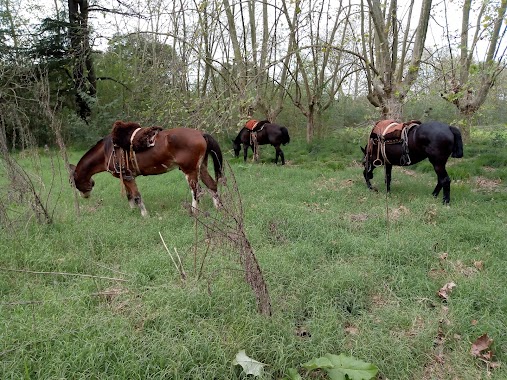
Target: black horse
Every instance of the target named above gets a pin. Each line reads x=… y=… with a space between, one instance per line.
x=267 y=133
x=433 y=140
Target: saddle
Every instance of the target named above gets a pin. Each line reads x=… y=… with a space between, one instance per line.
x=392 y=131
x=254 y=125
x=130 y=136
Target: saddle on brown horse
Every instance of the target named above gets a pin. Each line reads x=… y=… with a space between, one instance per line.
x=130 y=136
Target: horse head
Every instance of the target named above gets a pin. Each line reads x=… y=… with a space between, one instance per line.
x=236 y=145
x=85 y=186
x=366 y=162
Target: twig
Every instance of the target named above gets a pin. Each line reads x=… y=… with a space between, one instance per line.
x=182 y=271
x=111 y=269
x=63 y=274
x=182 y=275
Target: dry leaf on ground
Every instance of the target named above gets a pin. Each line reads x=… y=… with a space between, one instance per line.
x=446 y=290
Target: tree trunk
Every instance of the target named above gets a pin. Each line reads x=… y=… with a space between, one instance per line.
x=392 y=108
x=310 y=124
x=85 y=81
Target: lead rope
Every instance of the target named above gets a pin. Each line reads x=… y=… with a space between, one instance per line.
x=387 y=209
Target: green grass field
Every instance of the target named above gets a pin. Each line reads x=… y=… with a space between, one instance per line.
x=348 y=271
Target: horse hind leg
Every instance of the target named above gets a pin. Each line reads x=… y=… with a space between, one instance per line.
x=279 y=153
x=212 y=185
x=195 y=189
x=443 y=182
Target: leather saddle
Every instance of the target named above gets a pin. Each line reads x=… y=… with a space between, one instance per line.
x=131 y=136
x=391 y=130
x=254 y=125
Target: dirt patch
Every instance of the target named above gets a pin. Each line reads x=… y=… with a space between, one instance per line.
x=397 y=213
x=482 y=183
x=409 y=172
x=333 y=184
x=359 y=218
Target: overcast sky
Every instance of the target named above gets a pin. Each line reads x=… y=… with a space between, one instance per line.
x=107 y=24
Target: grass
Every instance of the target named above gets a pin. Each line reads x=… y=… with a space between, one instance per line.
x=343 y=278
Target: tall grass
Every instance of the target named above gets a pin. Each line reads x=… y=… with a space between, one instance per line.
x=348 y=270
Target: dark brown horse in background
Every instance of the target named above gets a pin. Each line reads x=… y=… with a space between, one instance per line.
x=433 y=140
x=267 y=133
x=187 y=149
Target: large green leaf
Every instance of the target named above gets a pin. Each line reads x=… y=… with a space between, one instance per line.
x=293 y=374
x=342 y=367
x=319 y=363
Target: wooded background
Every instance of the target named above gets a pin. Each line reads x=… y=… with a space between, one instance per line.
x=71 y=69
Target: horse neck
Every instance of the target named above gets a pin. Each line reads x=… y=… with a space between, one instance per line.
x=93 y=162
x=240 y=137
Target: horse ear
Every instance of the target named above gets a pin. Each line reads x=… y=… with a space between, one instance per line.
x=364 y=150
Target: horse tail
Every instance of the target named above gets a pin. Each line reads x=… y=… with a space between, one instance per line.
x=457 y=149
x=216 y=154
x=285 y=135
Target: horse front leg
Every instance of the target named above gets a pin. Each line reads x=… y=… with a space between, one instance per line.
x=245 y=151
x=134 y=196
x=389 y=170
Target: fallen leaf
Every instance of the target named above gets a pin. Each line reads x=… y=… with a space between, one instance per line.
x=250 y=366
x=482 y=343
x=446 y=290
x=479 y=265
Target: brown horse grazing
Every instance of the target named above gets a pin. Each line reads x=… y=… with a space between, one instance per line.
x=432 y=140
x=187 y=149
x=267 y=133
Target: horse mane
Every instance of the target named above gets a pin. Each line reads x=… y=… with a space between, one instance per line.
x=261 y=123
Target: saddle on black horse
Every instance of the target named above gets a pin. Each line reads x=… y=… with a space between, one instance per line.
x=390 y=132
x=131 y=136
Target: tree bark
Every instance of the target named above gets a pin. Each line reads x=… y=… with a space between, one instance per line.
x=85 y=81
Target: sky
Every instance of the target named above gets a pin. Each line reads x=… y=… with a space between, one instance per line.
x=107 y=24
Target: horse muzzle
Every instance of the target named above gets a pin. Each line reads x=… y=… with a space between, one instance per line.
x=85 y=194
x=368 y=174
